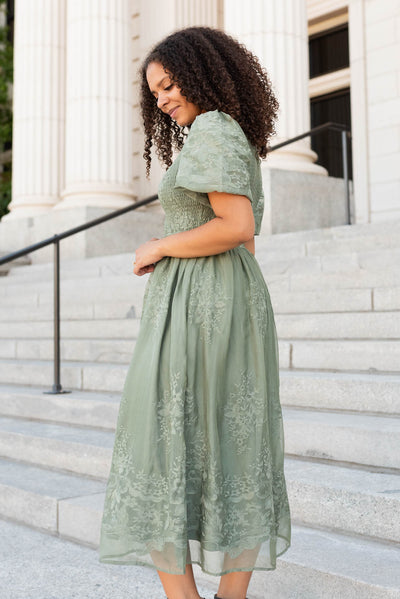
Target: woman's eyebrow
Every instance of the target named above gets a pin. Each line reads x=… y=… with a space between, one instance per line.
x=159 y=83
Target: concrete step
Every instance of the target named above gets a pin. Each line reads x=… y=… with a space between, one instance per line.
x=345 y=355
x=337 y=280
x=126 y=328
x=123 y=296
x=89 y=376
x=354 y=262
x=78 y=408
x=301 y=302
x=97 y=310
x=78 y=450
x=285 y=302
x=272 y=262
x=121 y=288
x=318 y=565
x=310 y=274
x=117 y=351
x=334 y=240
x=355 y=325
x=97 y=266
x=91 y=267
x=356 y=392
x=366 y=440
x=43 y=566
x=327 y=565
x=378 y=299
x=109 y=351
x=344 y=499
x=369 y=393
x=372 y=441
x=336 y=498
x=36 y=496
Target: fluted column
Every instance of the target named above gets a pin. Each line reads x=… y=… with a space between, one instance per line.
x=193 y=13
x=98 y=164
x=38 y=107
x=155 y=21
x=276 y=31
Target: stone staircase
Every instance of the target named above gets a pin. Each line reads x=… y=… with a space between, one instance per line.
x=336 y=295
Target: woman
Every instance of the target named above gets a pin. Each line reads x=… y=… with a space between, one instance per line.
x=197 y=469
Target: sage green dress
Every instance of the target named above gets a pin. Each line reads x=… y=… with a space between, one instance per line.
x=197 y=468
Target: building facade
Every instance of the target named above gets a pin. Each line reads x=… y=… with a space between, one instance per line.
x=77 y=143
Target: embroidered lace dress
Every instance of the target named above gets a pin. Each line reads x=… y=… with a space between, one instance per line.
x=197 y=468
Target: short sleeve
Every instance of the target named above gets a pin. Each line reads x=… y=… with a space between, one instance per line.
x=215 y=157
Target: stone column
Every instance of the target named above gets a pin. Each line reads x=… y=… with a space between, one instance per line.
x=191 y=13
x=98 y=162
x=276 y=31
x=38 y=107
x=155 y=21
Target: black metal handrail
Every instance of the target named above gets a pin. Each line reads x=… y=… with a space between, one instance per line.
x=57 y=388
x=345 y=134
x=55 y=239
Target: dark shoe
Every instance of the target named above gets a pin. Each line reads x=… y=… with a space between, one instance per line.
x=216 y=597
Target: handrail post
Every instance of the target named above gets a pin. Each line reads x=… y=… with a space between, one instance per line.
x=346 y=175
x=56 y=319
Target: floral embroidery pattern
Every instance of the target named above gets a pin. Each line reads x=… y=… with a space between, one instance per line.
x=258 y=306
x=207 y=306
x=156 y=300
x=244 y=411
x=170 y=410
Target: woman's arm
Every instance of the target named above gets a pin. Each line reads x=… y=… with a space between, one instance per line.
x=233 y=225
x=251 y=246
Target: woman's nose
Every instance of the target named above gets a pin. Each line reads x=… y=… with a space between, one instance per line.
x=161 y=100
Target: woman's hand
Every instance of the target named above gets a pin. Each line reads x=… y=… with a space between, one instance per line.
x=146 y=257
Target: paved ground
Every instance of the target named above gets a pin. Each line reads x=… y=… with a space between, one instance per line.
x=39 y=566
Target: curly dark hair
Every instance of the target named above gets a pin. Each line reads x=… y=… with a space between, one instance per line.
x=215 y=72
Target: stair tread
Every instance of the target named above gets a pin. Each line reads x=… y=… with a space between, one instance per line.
x=384 y=376
x=338 y=419
x=41 y=566
x=51 y=483
x=21 y=391
x=346 y=556
x=354 y=480
x=43 y=481
x=57 y=432
x=367 y=422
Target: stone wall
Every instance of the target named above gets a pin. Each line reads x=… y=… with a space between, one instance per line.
x=382 y=32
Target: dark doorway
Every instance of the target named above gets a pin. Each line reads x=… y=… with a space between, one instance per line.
x=328 y=144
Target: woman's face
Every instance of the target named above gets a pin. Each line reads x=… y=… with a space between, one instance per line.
x=169 y=97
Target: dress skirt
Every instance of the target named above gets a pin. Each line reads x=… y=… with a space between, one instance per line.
x=197 y=467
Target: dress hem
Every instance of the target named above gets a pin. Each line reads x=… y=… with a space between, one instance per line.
x=138 y=562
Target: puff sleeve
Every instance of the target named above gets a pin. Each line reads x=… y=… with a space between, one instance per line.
x=215 y=157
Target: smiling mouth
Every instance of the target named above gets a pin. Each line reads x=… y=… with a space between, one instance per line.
x=171 y=114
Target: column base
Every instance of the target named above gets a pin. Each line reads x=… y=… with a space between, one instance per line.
x=295 y=157
x=108 y=195
x=20 y=211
